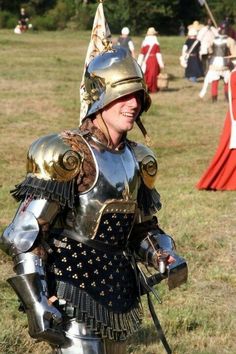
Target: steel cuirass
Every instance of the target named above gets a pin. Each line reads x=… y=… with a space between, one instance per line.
x=114 y=191
x=90 y=259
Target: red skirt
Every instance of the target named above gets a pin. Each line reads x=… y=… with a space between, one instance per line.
x=221 y=173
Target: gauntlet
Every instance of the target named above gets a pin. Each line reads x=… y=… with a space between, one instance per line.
x=31 y=288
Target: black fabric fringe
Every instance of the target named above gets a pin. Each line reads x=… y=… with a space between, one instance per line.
x=148 y=200
x=114 y=326
x=62 y=192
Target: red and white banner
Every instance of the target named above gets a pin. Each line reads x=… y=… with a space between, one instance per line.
x=100 y=32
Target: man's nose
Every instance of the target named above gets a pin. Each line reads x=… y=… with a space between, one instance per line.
x=133 y=102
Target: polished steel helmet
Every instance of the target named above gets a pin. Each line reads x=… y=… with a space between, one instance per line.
x=111 y=75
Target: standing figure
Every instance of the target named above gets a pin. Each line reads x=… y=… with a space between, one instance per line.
x=206 y=37
x=221 y=173
x=23 y=20
x=222 y=47
x=86 y=218
x=150 y=55
x=125 y=41
x=181 y=29
x=191 y=48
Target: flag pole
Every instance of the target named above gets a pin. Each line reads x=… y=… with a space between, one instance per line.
x=210 y=13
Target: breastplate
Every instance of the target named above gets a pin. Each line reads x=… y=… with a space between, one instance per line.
x=106 y=212
x=220 y=48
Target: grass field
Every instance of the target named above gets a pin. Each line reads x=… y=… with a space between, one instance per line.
x=39 y=93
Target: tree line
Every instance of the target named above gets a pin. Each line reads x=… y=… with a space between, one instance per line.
x=138 y=15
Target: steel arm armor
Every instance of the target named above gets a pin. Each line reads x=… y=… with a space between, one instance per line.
x=30 y=282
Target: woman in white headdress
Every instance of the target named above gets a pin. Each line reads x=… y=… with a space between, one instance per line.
x=150 y=59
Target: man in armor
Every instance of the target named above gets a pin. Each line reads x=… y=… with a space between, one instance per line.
x=222 y=46
x=86 y=218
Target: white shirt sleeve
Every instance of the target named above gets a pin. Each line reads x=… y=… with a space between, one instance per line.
x=131 y=46
x=160 y=60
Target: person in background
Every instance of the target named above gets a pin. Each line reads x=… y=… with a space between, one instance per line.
x=229 y=30
x=125 y=41
x=23 y=20
x=206 y=36
x=150 y=55
x=191 y=47
x=219 y=68
x=221 y=173
x=87 y=218
x=182 y=29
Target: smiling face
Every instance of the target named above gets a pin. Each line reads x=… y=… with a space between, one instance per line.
x=121 y=114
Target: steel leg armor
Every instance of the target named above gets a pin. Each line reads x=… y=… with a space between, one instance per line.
x=83 y=341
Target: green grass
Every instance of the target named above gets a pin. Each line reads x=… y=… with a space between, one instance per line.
x=39 y=93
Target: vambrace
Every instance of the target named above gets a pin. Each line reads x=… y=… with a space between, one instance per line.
x=158 y=250
x=31 y=288
x=155 y=248
x=30 y=282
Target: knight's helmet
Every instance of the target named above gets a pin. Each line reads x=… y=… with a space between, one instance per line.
x=110 y=75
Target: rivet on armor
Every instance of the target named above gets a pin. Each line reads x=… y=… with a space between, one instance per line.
x=101 y=235
x=117 y=271
x=110 y=263
x=105 y=267
x=111 y=276
x=96 y=271
x=104 y=256
x=93 y=251
x=85 y=275
x=79 y=265
x=118 y=223
x=75 y=276
x=74 y=255
x=111 y=290
x=93 y=284
x=90 y=261
x=102 y=293
x=110 y=303
x=79 y=245
x=68 y=247
x=82 y=285
x=109 y=228
x=103 y=281
x=69 y=268
x=64 y=259
x=84 y=253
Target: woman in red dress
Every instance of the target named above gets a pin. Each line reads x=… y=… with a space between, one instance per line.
x=150 y=54
x=221 y=174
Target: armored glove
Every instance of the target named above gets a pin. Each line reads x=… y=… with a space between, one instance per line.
x=32 y=292
x=158 y=250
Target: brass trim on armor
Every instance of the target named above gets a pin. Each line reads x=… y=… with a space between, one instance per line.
x=148 y=164
x=51 y=158
x=114 y=206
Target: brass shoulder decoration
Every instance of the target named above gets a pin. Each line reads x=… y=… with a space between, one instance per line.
x=147 y=163
x=51 y=158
